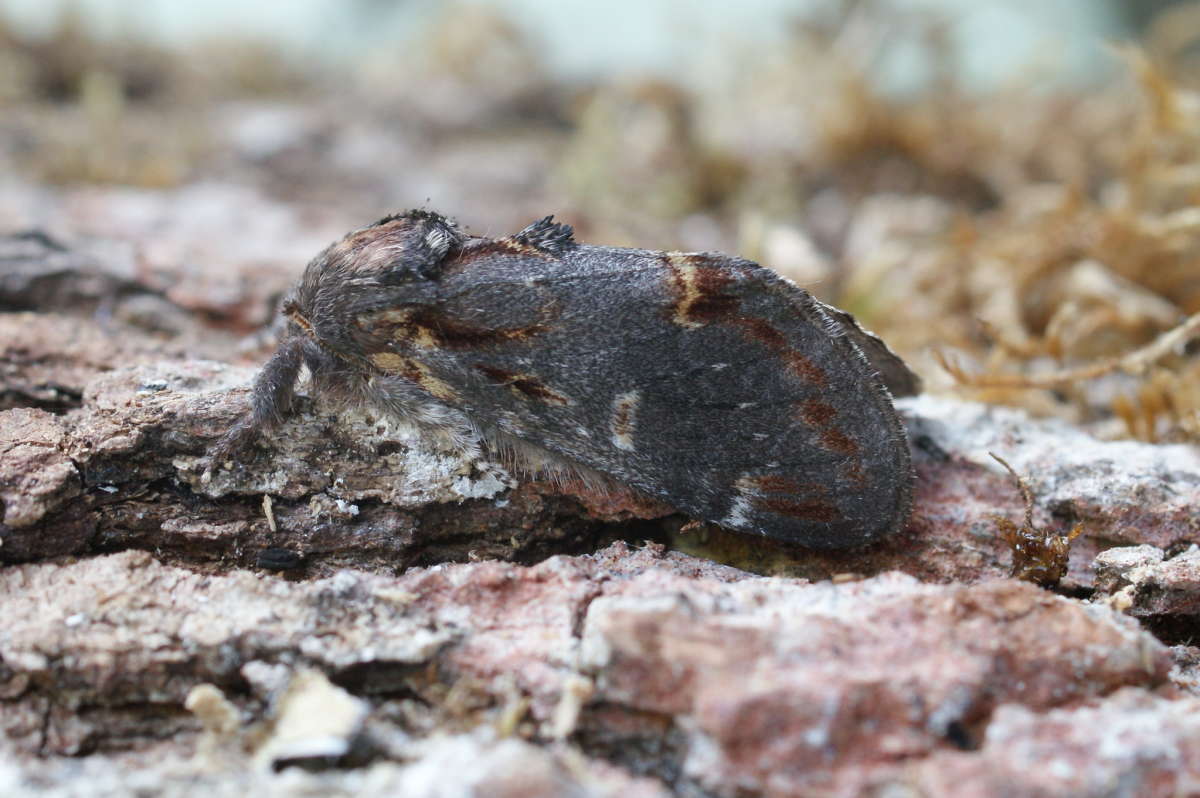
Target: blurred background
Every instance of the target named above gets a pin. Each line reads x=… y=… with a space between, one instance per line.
x=1005 y=186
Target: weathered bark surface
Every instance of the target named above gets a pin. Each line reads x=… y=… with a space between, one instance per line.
x=317 y=606
x=697 y=674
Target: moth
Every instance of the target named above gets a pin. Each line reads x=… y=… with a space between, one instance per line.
x=700 y=379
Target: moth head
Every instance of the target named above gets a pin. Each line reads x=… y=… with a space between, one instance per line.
x=396 y=261
x=401 y=248
x=409 y=245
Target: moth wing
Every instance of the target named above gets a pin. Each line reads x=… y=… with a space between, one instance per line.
x=805 y=443
x=702 y=380
x=895 y=373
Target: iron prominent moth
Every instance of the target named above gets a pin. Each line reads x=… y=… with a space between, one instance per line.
x=700 y=379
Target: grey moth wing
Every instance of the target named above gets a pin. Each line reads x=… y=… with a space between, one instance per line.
x=895 y=373
x=701 y=379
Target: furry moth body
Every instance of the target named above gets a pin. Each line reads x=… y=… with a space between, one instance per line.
x=700 y=379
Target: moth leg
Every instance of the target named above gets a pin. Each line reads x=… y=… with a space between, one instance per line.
x=270 y=400
x=331 y=378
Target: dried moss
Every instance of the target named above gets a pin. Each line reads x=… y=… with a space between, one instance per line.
x=1041 y=238
x=1038 y=555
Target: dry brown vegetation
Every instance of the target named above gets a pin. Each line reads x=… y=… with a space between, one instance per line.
x=1031 y=246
